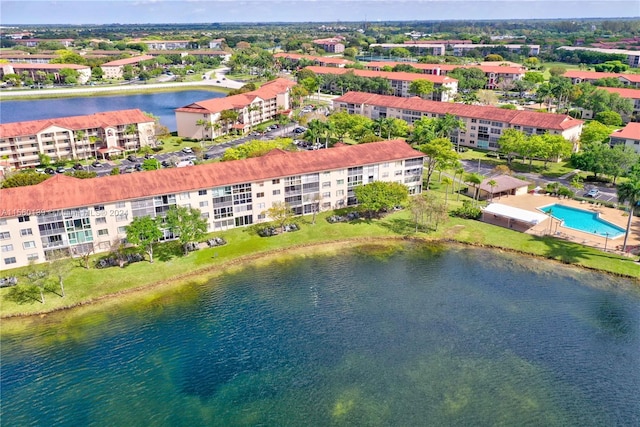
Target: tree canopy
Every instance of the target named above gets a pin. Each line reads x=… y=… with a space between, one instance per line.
x=380 y=195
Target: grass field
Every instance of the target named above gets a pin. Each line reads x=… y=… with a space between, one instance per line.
x=172 y=268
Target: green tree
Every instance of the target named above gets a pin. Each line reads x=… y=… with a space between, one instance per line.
x=619 y=160
x=475 y=179
x=556 y=71
x=380 y=195
x=421 y=87
x=21 y=179
x=143 y=232
x=492 y=57
x=471 y=79
x=629 y=191
x=610 y=118
x=228 y=117
x=440 y=154
x=533 y=77
x=556 y=148
x=510 y=142
x=115 y=171
x=594 y=131
x=187 y=224
x=81 y=174
x=150 y=164
x=280 y=213
x=592 y=158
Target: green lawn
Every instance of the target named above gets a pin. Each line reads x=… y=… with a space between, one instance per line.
x=83 y=285
x=552 y=170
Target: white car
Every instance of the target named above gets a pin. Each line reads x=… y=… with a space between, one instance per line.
x=187 y=150
x=594 y=192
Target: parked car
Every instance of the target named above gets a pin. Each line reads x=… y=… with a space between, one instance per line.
x=138 y=167
x=132 y=158
x=299 y=130
x=594 y=192
x=148 y=156
x=96 y=164
x=61 y=170
x=187 y=150
x=49 y=171
x=78 y=166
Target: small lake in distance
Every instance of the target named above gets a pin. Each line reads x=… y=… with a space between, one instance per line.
x=160 y=104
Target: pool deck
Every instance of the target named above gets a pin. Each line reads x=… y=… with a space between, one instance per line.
x=531 y=202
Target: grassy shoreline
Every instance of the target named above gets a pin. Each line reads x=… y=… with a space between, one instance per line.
x=170 y=270
x=113 y=91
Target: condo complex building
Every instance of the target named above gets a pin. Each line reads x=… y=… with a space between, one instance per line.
x=70 y=216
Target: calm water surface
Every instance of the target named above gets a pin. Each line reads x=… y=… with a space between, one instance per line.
x=161 y=104
x=419 y=337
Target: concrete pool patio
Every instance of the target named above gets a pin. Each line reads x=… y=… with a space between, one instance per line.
x=531 y=202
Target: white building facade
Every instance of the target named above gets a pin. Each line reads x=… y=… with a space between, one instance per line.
x=65 y=215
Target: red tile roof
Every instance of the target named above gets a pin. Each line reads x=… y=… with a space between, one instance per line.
x=401 y=76
x=623 y=92
x=514 y=117
x=593 y=75
x=27 y=66
x=449 y=67
x=63 y=192
x=630 y=131
x=127 y=61
x=325 y=59
x=97 y=120
x=215 y=105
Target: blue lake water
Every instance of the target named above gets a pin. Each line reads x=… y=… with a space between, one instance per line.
x=425 y=336
x=161 y=104
x=582 y=220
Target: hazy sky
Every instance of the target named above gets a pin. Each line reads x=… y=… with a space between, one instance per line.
x=204 y=11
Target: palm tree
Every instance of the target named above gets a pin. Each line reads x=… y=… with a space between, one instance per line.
x=130 y=130
x=629 y=192
x=474 y=179
x=492 y=183
x=447 y=182
x=458 y=171
x=80 y=135
x=201 y=123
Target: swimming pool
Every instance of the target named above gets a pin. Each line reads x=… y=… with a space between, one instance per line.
x=582 y=220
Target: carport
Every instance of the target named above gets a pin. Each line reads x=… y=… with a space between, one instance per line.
x=510 y=217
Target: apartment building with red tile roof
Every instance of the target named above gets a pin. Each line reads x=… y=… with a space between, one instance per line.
x=84 y=72
x=629 y=136
x=253 y=108
x=495 y=73
x=400 y=81
x=322 y=61
x=331 y=45
x=628 y=93
x=115 y=69
x=75 y=137
x=34 y=220
x=576 y=76
x=484 y=124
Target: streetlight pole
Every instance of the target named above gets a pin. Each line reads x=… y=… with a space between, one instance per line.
x=606 y=239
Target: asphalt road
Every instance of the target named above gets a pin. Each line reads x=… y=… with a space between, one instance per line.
x=607 y=194
x=214 y=78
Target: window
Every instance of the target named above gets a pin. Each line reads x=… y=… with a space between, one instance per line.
x=6 y=248
x=120 y=205
x=326 y=205
x=260 y=205
x=184 y=196
x=262 y=216
x=3 y=221
x=202 y=192
x=204 y=204
x=275 y=181
x=32 y=257
x=327 y=194
x=261 y=194
x=339 y=193
x=103 y=232
x=398 y=173
x=122 y=230
x=29 y=245
x=23 y=218
x=26 y=232
x=11 y=260
x=339 y=181
x=99 y=208
x=204 y=215
x=385 y=165
x=276 y=192
x=121 y=217
x=101 y=220
x=385 y=174
x=326 y=184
